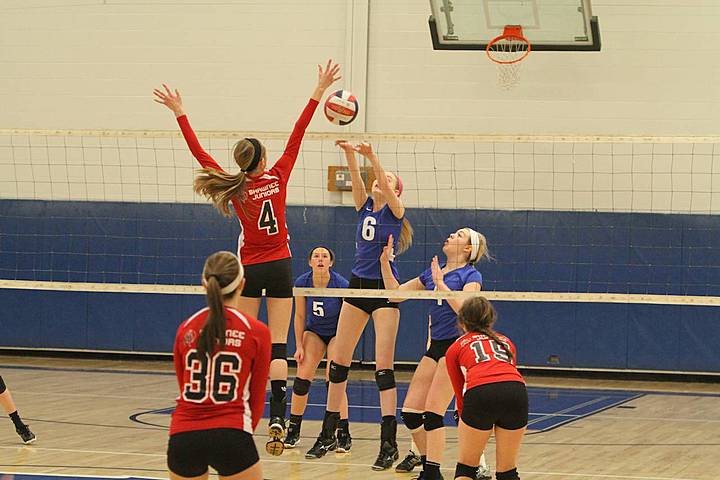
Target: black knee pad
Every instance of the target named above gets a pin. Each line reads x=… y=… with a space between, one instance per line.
x=462 y=470
x=301 y=386
x=278 y=352
x=385 y=379
x=412 y=420
x=2 y=385
x=509 y=475
x=338 y=373
x=432 y=421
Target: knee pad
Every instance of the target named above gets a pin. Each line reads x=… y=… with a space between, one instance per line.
x=432 y=421
x=385 y=379
x=278 y=352
x=2 y=385
x=412 y=420
x=338 y=373
x=509 y=475
x=462 y=470
x=301 y=386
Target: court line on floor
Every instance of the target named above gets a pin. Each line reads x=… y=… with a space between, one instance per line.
x=344 y=464
x=80 y=475
x=579 y=390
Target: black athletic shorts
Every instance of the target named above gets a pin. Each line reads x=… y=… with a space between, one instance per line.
x=438 y=348
x=369 y=305
x=274 y=277
x=325 y=338
x=504 y=404
x=227 y=450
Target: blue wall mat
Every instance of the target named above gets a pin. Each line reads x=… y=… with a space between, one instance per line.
x=532 y=250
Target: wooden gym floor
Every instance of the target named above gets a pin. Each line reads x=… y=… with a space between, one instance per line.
x=103 y=418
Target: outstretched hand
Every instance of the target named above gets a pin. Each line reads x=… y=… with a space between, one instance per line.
x=365 y=149
x=437 y=274
x=345 y=145
x=328 y=76
x=170 y=100
x=388 y=253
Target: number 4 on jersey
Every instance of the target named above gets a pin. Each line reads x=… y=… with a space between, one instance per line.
x=267 y=220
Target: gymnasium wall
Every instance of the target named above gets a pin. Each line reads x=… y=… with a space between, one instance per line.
x=533 y=251
x=570 y=216
x=247 y=65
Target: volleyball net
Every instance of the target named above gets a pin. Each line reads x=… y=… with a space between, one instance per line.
x=613 y=220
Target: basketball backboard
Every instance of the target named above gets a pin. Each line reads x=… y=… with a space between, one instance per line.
x=547 y=24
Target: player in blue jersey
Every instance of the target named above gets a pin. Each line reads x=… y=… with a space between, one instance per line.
x=316 y=320
x=379 y=215
x=431 y=391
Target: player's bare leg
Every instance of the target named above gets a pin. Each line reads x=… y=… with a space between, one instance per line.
x=279 y=312
x=314 y=349
x=351 y=324
x=386 y=321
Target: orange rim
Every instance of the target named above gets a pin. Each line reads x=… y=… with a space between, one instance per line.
x=512 y=33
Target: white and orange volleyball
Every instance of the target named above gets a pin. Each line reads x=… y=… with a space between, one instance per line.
x=341 y=107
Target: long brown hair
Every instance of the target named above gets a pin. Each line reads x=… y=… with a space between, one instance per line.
x=406 y=230
x=406 y=235
x=221 y=269
x=221 y=187
x=478 y=315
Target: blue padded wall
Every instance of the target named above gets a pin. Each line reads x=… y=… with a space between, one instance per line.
x=532 y=250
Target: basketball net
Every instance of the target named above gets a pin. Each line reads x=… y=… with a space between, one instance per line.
x=507 y=50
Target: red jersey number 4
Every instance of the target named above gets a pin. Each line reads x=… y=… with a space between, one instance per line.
x=267 y=220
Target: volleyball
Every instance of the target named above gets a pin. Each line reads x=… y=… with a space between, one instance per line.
x=341 y=107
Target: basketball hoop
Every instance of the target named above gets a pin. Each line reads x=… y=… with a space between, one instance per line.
x=507 y=50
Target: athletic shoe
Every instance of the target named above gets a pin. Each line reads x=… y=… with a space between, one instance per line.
x=388 y=454
x=409 y=463
x=344 y=441
x=321 y=447
x=27 y=436
x=483 y=473
x=292 y=438
x=276 y=429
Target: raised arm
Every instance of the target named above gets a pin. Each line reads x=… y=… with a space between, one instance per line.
x=389 y=279
x=358 y=185
x=173 y=101
x=299 y=327
x=326 y=77
x=437 y=275
x=393 y=201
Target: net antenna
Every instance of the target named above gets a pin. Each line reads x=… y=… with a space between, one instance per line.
x=507 y=51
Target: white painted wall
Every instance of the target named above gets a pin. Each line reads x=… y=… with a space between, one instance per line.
x=249 y=65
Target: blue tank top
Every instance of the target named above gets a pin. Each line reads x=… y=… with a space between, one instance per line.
x=373 y=230
x=321 y=313
x=443 y=319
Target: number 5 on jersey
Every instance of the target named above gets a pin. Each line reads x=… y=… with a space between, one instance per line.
x=267 y=220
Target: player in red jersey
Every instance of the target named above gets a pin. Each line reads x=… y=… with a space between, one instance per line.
x=222 y=359
x=490 y=392
x=258 y=198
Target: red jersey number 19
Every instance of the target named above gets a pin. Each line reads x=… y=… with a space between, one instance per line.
x=267 y=220
x=480 y=355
